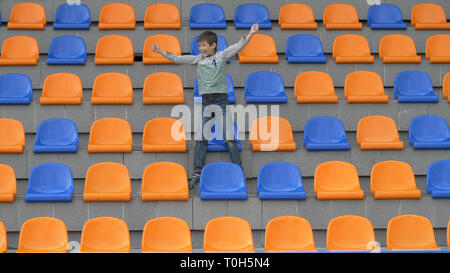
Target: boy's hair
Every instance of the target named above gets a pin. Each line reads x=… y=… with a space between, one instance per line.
x=209 y=37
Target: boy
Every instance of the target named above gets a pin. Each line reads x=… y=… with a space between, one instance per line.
x=212 y=86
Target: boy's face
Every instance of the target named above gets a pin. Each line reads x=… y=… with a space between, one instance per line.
x=207 y=49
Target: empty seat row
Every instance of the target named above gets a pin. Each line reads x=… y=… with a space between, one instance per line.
x=226 y=234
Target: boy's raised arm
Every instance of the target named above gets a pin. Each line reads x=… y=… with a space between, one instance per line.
x=186 y=59
x=235 y=48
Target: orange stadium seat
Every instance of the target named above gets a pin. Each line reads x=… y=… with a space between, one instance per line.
x=378 y=132
x=260 y=49
x=411 y=232
x=393 y=180
x=162 y=16
x=164 y=135
x=12 y=136
x=397 y=48
x=296 y=16
x=105 y=234
x=429 y=16
x=164 y=181
x=62 y=88
x=351 y=48
x=166 y=234
x=27 y=16
x=341 y=16
x=19 y=50
x=264 y=138
x=289 y=233
x=3 y=238
x=117 y=16
x=166 y=42
x=446 y=87
x=163 y=88
x=438 y=49
x=337 y=180
x=314 y=87
x=350 y=233
x=110 y=135
x=8 y=185
x=107 y=181
x=112 y=88
x=43 y=235
x=228 y=233
x=364 y=86
x=114 y=49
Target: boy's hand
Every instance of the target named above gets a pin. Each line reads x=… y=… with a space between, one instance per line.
x=254 y=29
x=156 y=48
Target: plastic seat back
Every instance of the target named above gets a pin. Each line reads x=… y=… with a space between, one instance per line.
x=325 y=133
x=166 y=234
x=164 y=181
x=43 y=235
x=228 y=233
x=429 y=16
x=314 y=87
x=351 y=48
x=166 y=42
x=162 y=16
x=57 y=135
x=8 y=186
x=296 y=16
x=438 y=49
x=110 y=135
x=62 y=88
x=385 y=16
x=19 y=50
x=222 y=181
x=27 y=16
x=107 y=181
x=117 y=16
x=15 y=89
x=280 y=180
x=164 y=135
x=410 y=232
x=264 y=87
x=3 y=238
x=248 y=14
x=337 y=180
x=260 y=49
x=114 y=49
x=230 y=86
x=272 y=133
x=341 y=16
x=289 y=233
x=112 y=88
x=67 y=49
x=72 y=17
x=350 y=232
x=304 y=48
x=50 y=182
x=364 y=86
x=446 y=87
x=428 y=132
x=12 y=136
x=105 y=234
x=398 y=48
x=207 y=15
x=414 y=86
x=378 y=132
x=163 y=88
x=438 y=179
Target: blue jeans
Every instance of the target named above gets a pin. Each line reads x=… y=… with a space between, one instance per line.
x=201 y=146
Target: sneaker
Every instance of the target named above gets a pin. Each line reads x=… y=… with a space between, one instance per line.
x=195 y=179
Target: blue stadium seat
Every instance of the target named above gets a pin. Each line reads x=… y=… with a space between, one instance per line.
x=248 y=14
x=325 y=133
x=414 y=86
x=429 y=132
x=222 y=181
x=15 y=89
x=280 y=180
x=67 y=49
x=264 y=87
x=222 y=44
x=385 y=16
x=231 y=95
x=206 y=15
x=217 y=143
x=438 y=179
x=72 y=17
x=57 y=135
x=50 y=182
x=304 y=48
